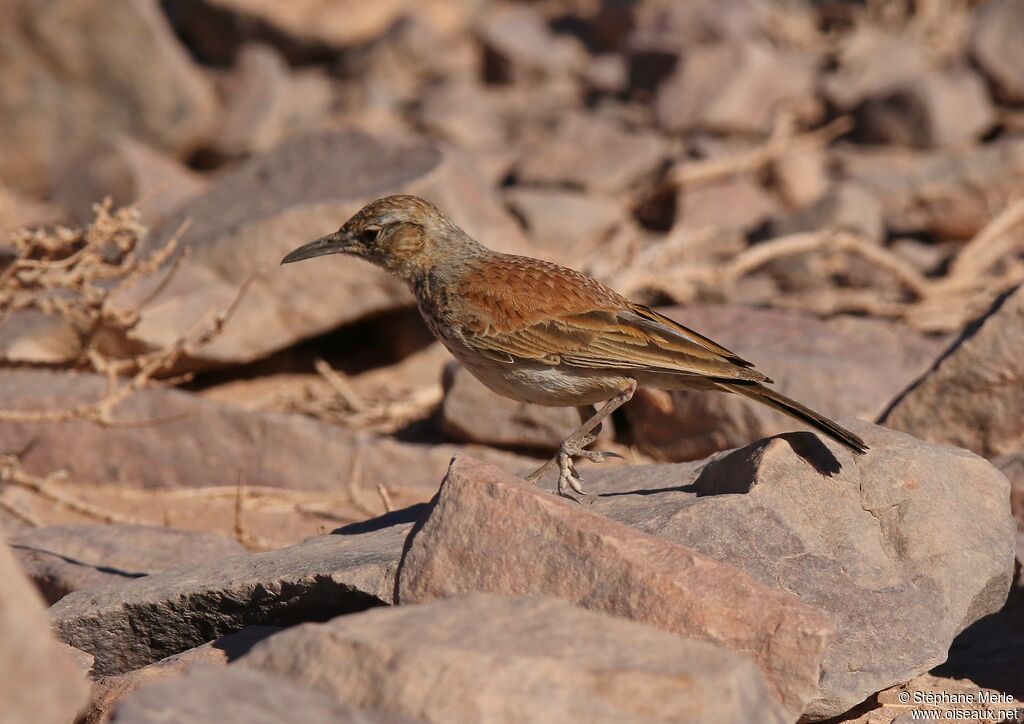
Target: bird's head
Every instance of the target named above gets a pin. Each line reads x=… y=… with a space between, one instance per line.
x=406 y=235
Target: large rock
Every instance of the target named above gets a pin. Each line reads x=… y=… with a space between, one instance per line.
x=70 y=76
x=974 y=394
x=940 y=108
x=870 y=62
x=519 y=45
x=303 y=189
x=133 y=624
x=128 y=172
x=218 y=27
x=845 y=366
x=565 y=219
x=236 y=696
x=732 y=87
x=41 y=681
x=948 y=194
x=64 y=558
x=108 y=691
x=265 y=102
x=488 y=531
x=202 y=443
x=592 y=153
x=518 y=660
x=996 y=46
x=901 y=548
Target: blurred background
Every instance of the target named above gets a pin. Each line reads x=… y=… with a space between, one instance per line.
x=832 y=189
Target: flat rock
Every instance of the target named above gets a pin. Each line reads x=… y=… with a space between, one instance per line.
x=108 y=691
x=732 y=88
x=304 y=188
x=203 y=443
x=843 y=366
x=42 y=682
x=304 y=30
x=489 y=531
x=561 y=218
x=870 y=62
x=948 y=194
x=517 y=660
x=236 y=696
x=64 y=558
x=133 y=624
x=996 y=47
x=519 y=45
x=128 y=172
x=265 y=102
x=849 y=206
x=940 y=108
x=473 y=413
x=92 y=85
x=901 y=549
x=973 y=395
x=592 y=153
x=736 y=204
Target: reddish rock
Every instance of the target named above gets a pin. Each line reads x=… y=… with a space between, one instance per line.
x=594 y=154
x=201 y=443
x=973 y=395
x=129 y=626
x=562 y=220
x=109 y=691
x=528 y=542
x=303 y=189
x=337 y=24
x=237 y=696
x=845 y=366
x=902 y=548
x=64 y=558
x=996 y=47
x=735 y=204
x=849 y=207
x=872 y=61
x=518 y=660
x=41 y=681
x=947 y=194
x=940 y=108
x=265 y=102
x=129 y=173
x=732 y=88
x=92 y=84
x=519 y=45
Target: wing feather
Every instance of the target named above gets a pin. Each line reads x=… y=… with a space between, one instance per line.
x=537 y=311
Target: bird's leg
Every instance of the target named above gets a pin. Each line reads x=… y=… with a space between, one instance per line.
x=573 y=446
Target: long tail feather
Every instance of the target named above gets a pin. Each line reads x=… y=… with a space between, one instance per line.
x=794 y=409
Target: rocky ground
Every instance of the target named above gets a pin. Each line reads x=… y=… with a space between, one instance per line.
x=258 y=493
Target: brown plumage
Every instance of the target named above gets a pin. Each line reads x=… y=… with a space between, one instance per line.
x=538 y=332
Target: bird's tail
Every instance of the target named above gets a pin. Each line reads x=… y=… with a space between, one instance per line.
x=794 y=409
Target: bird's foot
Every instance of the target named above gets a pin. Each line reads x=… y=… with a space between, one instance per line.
x=568 y=478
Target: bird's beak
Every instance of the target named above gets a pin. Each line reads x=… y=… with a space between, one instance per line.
x=335 y=243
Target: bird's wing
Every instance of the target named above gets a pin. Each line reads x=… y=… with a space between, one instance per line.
x=519 y=308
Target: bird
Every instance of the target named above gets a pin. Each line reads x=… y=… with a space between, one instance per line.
x=537 y=332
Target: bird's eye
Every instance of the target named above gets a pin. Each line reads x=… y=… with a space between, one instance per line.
x=368 y=236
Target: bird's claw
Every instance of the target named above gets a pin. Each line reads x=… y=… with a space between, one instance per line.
x=568 y=477
x=598 y=456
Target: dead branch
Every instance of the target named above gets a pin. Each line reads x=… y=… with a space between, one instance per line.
x=782 y=141
x=11 y=473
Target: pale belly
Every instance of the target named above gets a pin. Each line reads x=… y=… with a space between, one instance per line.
x=554 y=386
x=540 y=384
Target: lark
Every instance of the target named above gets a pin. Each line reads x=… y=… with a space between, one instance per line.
x=541 y=333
